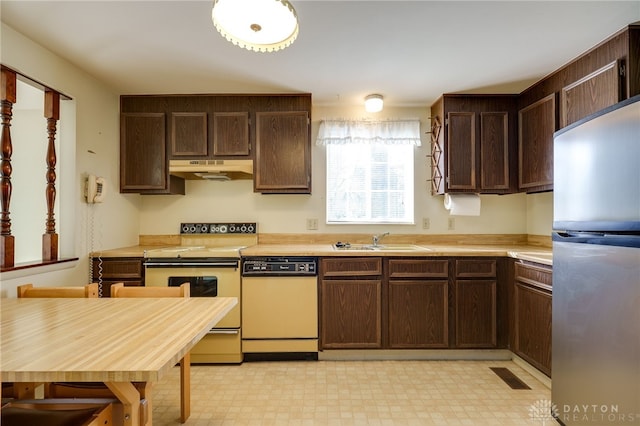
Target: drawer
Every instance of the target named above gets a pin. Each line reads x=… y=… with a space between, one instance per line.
x=118 y=268
x=214 y=348
x=418 y=268
x=534 y=275
x=351 y=266
x=468 y=268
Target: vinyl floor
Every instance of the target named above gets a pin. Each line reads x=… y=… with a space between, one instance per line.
x=354 y=393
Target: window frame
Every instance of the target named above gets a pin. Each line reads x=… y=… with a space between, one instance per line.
x=408 y=191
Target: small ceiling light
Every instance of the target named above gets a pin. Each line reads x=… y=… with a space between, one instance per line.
x=373 y=103
x=258 y=25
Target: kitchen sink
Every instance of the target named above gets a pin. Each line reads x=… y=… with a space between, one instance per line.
x=401 y=247
x=347 y=246
x=380 y=247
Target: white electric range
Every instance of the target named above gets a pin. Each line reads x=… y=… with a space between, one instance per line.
x=209 y=259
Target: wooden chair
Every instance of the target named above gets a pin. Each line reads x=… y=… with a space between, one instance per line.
x=20 y=390
x=83 y=390
x=28 y=290
x=27 y=390
x=119 y=290
x=57 y=412
x=58 y=390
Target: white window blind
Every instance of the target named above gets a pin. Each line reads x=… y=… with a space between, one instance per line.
x=370 y=173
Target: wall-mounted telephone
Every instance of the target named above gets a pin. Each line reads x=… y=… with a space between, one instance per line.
x=94 y=189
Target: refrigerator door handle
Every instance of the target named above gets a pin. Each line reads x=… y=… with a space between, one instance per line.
x=598 y=238
x=579 y=234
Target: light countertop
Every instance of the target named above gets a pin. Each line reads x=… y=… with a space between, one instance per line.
x=531 y=253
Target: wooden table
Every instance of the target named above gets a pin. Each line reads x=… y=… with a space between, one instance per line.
x=115 y=341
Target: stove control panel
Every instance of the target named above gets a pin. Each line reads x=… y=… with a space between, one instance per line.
x=219 y=228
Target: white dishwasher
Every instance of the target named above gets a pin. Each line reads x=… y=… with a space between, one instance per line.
x=280 y=307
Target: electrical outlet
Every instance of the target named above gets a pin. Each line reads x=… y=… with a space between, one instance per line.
x=426 y=223
x=312 y=224
x=452 y=224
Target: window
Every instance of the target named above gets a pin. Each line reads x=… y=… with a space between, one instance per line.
x=369 y=171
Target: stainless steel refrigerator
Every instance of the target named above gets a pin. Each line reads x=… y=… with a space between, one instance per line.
x=596 y=269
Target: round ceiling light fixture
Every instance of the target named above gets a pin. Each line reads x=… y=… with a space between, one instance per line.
x=373 y=103
x=258 y=25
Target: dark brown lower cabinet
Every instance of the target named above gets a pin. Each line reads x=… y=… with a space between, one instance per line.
x=110 y=270
x=476 y=303
x=475 y=313
x=418 y=314
x=351 y=314
x=351 y=303
x=532 y=299
x=412 y=303
x=418 y=303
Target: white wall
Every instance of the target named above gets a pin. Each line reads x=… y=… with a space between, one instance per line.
x=540 y=213
x=235 y=200
x=97 y=130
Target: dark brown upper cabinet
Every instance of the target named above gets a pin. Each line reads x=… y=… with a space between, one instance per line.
x=472 y=139
x=536 y=124
x=158 y=128
x=283 y=152
x=189 y=134
x=232 y=124
x=143 y=155
x=231 y=134
x=476 y=149
x=590 y=94
x=600 y=77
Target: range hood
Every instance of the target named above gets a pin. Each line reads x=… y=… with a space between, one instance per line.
x=219 y=170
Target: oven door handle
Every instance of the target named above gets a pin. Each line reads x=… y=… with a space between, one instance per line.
x=220 y=331
x=233 y=264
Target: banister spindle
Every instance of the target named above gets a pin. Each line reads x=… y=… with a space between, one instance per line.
x=52 y=114
x=7 y=99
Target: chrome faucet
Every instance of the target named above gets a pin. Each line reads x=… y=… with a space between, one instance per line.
x=378 y=238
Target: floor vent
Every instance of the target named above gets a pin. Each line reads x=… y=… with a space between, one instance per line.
x=509 y=378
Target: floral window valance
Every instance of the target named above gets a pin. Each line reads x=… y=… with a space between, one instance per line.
x=392 y=132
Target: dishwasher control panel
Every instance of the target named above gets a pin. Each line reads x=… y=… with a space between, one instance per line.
x=282 y=266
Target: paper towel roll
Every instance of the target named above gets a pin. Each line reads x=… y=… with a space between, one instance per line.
x=462 y=204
